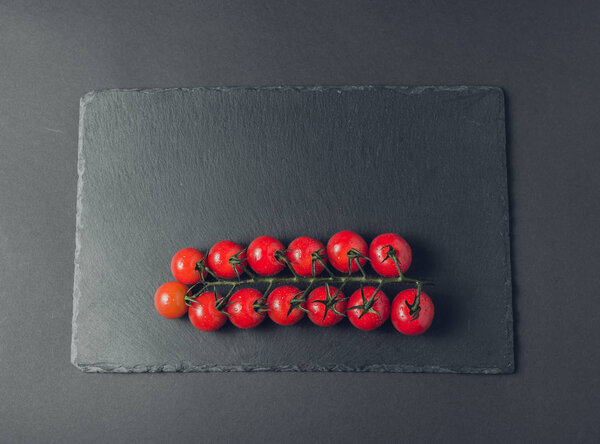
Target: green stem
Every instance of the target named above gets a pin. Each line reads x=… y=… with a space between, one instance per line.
x=317 y=280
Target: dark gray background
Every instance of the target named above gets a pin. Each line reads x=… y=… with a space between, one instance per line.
x=543 y=53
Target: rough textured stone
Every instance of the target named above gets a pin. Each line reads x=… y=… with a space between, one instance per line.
x=164 y=169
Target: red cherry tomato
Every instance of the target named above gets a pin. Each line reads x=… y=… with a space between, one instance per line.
x=381 y=259
x=245 y=308
x=183 y=266
x=325 y=307
x=261 y=255
x=204 y=314
x=219 y=256
x=283 y=303
x=338 y=247
x=300 y=253
x=169 y=300
x=367 y=312
x=401 y=314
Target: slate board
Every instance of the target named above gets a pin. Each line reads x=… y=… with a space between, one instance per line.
x=164 y=169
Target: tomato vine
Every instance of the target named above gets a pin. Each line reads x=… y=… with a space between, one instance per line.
x=204 y=285
x=228 y=266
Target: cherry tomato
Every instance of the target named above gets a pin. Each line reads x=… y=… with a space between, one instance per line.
x=183 y=266
x=325 y=307
x=219 y=256
x=283 y=303
x=169 y=300
x=300 y=253
x=382 y=256
x=419 y=321
x=340 y=245
x=367 y=312
x=261 y=255
x=245 y=308
x=204 y=314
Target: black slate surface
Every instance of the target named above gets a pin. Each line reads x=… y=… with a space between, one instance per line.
x=164 y=169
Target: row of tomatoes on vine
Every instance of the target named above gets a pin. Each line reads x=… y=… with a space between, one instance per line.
x=367 y=308
x=267 y=257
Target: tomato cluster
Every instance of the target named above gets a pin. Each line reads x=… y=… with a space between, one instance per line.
x=367 y=308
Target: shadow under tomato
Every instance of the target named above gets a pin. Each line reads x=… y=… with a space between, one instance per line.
x=444 y=319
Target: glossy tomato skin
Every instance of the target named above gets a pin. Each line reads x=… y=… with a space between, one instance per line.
x=378 y=251
x=241 y=308
x=203 y=313
x=279 y=303
x=218 y=259
x=183 y=266
x=316 y=310
x=300 y=255
x=338 y=247
x=369 y=321
x=261 y=255
x=169 y=300
x=401 y=317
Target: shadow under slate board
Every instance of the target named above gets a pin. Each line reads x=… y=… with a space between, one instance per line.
x=160 y=170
